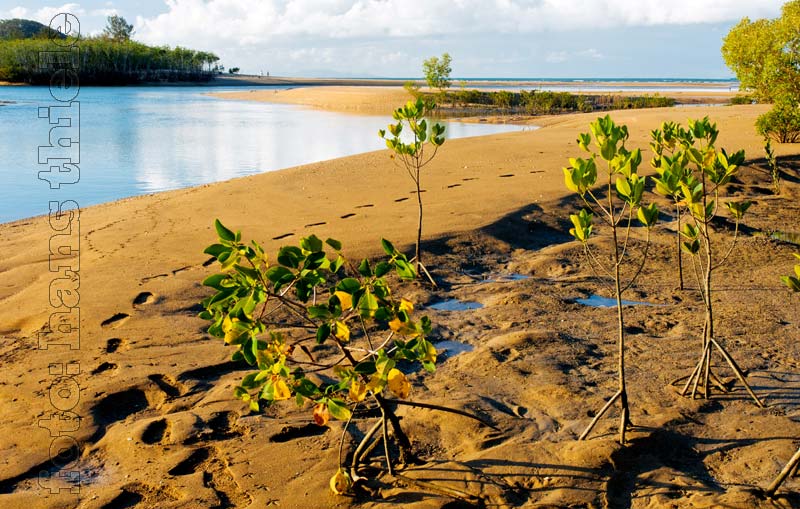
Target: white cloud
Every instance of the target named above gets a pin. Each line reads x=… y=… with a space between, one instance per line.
x=391 y=37
x=45 y=14
x=591 y=53
x=246 y=22
x=556 y=57
x=104 y=12
x=18 y=12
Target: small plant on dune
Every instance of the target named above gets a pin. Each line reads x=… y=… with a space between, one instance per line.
x=671 y=165
x=412 y=88
x=616 y=202
x=413 y=155
x=710 y=170
x=772 y=162
x=314 y=313
x=793 y=282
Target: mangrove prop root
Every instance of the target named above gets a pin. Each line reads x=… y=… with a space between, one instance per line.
x=442 y=490
x=428 y=275
x=737 y=371
x=431 y=406
x=385 y=430
x=599 y=415
x=703 y=370
x=790 y=466
x=406 y=455
x=363 y=448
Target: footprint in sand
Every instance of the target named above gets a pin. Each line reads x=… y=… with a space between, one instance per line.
x=137 y=493
x=157 y=432
x=144 y=298
x=347 y=215
x=205 y=375
x=102 y=368
x=150 y=278
x=315 y=224
x=401 y=199
x=216 y=475
x=115 y=321
x=168 y=385
x=292 y=432
x=192 y=463
x=113 y=344
x=279 y=237
x=117 y=407
x=221 y=426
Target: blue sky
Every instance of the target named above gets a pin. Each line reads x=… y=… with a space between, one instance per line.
x=390 y=38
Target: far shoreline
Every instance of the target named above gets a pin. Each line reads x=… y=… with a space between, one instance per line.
x=719 y=85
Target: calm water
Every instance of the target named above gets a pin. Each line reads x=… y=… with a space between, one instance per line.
x=138 y=140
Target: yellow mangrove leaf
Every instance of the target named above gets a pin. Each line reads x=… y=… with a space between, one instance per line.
x=376 y=383
x=340 y=482
x=227 y=324
x=280 y=390
x=430 y=352
x=345 y=299
x=396 y=325
x=231 y=336
x=358 y=391
x=321 y=414
x=341 y=331
x=406 y=305
x=398 y=383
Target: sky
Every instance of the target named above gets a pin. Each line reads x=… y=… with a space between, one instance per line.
x=391 y=38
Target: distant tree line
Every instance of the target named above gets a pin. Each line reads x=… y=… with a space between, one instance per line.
x=110 y=59
x=538 y=102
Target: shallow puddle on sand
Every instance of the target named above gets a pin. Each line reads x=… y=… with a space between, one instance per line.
x=452 y=348
x=455 y=305
x=502 y=278
x=597 y=301
x=489 y=277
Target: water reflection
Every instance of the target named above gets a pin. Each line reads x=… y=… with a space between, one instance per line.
x=455 y=305
x=137 y=140
x=596 y=301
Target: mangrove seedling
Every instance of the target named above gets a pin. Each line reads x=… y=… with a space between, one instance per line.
x=772 y=162
x=413 y=156
x=671 y=166
x=710 y=171
x=313 y=312
x=793 y=282
x=616 y=202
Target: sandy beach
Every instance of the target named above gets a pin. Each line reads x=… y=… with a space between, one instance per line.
x=159 y=426
x=382 y=100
